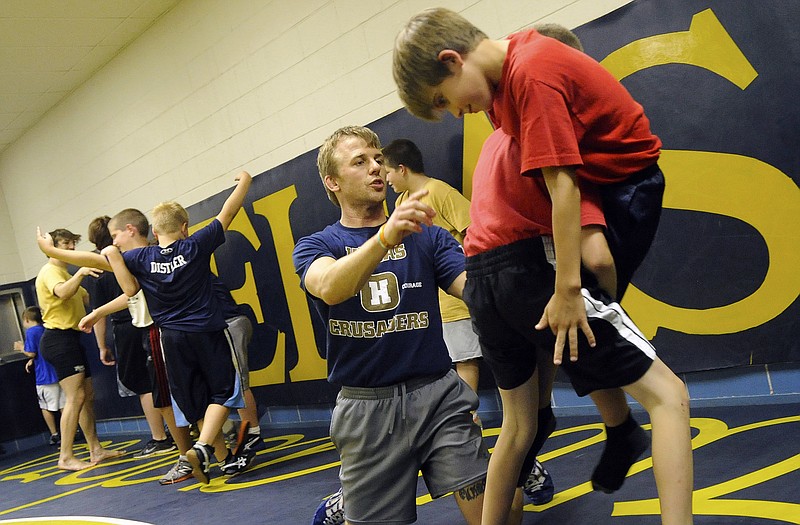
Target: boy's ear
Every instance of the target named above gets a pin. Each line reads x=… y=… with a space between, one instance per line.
x=452 y=59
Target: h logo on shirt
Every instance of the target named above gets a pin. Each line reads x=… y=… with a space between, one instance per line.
x=380 y=293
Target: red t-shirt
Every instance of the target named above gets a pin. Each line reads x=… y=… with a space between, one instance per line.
x=565 y=109
x=507 y=207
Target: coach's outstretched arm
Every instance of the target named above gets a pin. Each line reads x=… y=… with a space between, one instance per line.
x=336 y=280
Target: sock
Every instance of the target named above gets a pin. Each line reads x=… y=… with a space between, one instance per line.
x=545 y=426
x=622 y=430
x=546 y=423
x=182 y=457
x=625 y=443
x=255 y=431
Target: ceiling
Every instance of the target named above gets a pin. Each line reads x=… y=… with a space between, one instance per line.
x=48 y=48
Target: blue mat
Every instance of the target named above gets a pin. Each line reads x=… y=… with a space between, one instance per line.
x=747 y=471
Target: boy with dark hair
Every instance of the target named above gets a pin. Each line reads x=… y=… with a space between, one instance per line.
x=130 y=356
x=63 y=302
x=571 y=120
x=405 y=173
x=128 y=230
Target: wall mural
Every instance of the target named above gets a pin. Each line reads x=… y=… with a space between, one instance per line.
x=719 y=287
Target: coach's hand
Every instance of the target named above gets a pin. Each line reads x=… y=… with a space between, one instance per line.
x=408 y=218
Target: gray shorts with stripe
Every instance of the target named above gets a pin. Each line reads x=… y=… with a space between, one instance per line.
x=385 y=436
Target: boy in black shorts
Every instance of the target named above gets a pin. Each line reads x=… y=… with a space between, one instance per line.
x=130 y=356
x=508 y=286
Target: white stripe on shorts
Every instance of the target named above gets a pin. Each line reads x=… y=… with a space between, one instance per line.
x=616 y=317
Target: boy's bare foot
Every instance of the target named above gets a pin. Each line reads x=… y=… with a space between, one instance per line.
x=103 y=453
x=74 y=464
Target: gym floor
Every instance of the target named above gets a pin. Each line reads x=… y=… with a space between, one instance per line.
x=747 y=471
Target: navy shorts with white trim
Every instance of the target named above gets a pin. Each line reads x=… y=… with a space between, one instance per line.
x=507 y=290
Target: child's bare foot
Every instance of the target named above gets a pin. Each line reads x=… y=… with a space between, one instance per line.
x=74 y=464
x=103 y=453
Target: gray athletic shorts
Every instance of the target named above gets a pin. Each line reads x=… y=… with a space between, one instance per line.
x=51 y=397
x=462 y=343
x=241 y=331
x=386 y=435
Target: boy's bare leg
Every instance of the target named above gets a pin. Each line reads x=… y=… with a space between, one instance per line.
x=612 y=405
x=153 y=417
x=87 y=421
x=666 y=399
x=220 y=447
x=183 y=439
x=250 y=411
x=50 y=421
x=73 y=390
x=516 y=436
x=214 y=418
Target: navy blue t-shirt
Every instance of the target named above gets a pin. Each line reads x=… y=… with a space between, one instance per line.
x=230 y=308
x=391 y=331
x=176 y=282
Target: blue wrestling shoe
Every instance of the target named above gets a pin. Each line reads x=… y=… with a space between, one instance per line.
x=330 y=511
x=539 y=486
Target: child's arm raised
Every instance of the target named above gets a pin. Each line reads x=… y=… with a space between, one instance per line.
x=234 y=201
x=126 y=280
x=77 y=258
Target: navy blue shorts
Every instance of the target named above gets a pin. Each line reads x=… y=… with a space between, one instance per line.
x=131 y=356
x=200 y=369
x=507 y=290
x=632 y=209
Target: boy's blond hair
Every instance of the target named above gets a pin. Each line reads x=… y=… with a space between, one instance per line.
x=169 y=217
x=328 y=164
x=416 y=66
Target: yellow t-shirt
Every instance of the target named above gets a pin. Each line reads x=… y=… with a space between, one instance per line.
x=452 y=214
x=62 y=314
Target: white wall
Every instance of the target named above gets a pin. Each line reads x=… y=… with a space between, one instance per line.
x=215 y=87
